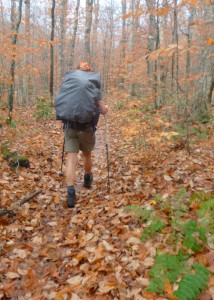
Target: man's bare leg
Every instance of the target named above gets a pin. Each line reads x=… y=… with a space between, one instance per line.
x=87 y=166
x=71 y=177
x=71 y=165
x=87 y=162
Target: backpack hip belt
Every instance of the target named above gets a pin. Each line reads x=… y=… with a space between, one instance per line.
x=78 y=126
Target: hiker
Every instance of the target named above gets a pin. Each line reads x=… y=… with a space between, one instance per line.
x=79 y=135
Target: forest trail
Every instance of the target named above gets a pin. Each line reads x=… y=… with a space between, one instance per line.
x=93 y=251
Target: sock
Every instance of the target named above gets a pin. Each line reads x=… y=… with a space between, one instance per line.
x=88 y=175
x=70 y=188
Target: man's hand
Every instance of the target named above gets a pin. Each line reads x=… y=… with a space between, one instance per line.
x=103 y=107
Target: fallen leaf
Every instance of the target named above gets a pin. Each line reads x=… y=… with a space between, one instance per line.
x=22 y=272
x=75 y=280
x=167 y=178
x=12 y=275
x=20 y=253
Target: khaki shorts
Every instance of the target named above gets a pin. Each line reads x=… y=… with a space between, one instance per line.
x=76 y=140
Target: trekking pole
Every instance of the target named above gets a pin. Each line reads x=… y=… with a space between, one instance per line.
x=63 y=150
x=107 y=153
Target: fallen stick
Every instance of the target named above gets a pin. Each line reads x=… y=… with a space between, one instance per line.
x=8 y=211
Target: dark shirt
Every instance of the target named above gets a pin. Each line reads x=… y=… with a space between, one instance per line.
x=95 y=119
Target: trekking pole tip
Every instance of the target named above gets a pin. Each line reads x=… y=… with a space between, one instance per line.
x=60 y=173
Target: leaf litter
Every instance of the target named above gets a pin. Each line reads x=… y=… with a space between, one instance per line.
x=93 y=251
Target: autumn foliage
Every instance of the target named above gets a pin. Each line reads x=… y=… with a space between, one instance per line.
x=151 y=235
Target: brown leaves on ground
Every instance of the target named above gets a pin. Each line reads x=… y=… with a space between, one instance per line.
x=93 y=251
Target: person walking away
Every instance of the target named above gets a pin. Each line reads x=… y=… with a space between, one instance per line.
x=81 y=137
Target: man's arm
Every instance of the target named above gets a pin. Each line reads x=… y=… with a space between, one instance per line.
x=103 y=107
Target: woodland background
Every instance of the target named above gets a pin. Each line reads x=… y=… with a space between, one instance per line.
x=151 y=235
x=159 y=50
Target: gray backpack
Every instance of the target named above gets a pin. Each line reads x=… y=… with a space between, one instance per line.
x=78 y=96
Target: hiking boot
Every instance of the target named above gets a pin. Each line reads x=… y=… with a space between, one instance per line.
x=71 y=198
x=88 y=178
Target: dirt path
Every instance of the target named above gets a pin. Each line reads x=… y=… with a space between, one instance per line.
x=93 y=251
x=52 y=252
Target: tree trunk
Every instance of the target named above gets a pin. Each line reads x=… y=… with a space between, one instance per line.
x=63 y=9
x=87 y=46
x=26 y=56
x=151 y=41
x=52 y=49
x=95 y=26
x=73 y=39
x=163 y=65
x=12 y=66
x=205 y=84
x=124 y=30
x=131 y=46
x=120 y=82
x=189 y=40
x=12 y=15
x=175 y=56
x=156 y=77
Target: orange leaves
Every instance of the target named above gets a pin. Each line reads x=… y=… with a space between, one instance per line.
x=32 y=281
x=133 y=104
x=127 y=16
x=162 y=11
x=164 y=52
x=169 y=291
x=210 y=41
x=129 y=133
x=192 y=3
x=94 y=250
x=169 y=135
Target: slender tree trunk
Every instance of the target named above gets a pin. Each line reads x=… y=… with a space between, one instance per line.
x=174 y=70
x=12 y=66
x=156 y=77
x=26 y=57
x=205 y=84
x=109 y=36
x=12 y=15
x=120 y=83
x=52 y=49
x=124 y=30
x=163 y=44
x=63 y=10
x=95 y=26
x=87 y=46
x=151 y=41
x=189 y=40
x=2 y=18
x=131 y=45
x=73 y=39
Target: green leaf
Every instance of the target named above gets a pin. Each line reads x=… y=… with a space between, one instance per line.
x=192 y=285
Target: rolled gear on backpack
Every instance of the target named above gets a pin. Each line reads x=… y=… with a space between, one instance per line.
x=78 y=97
